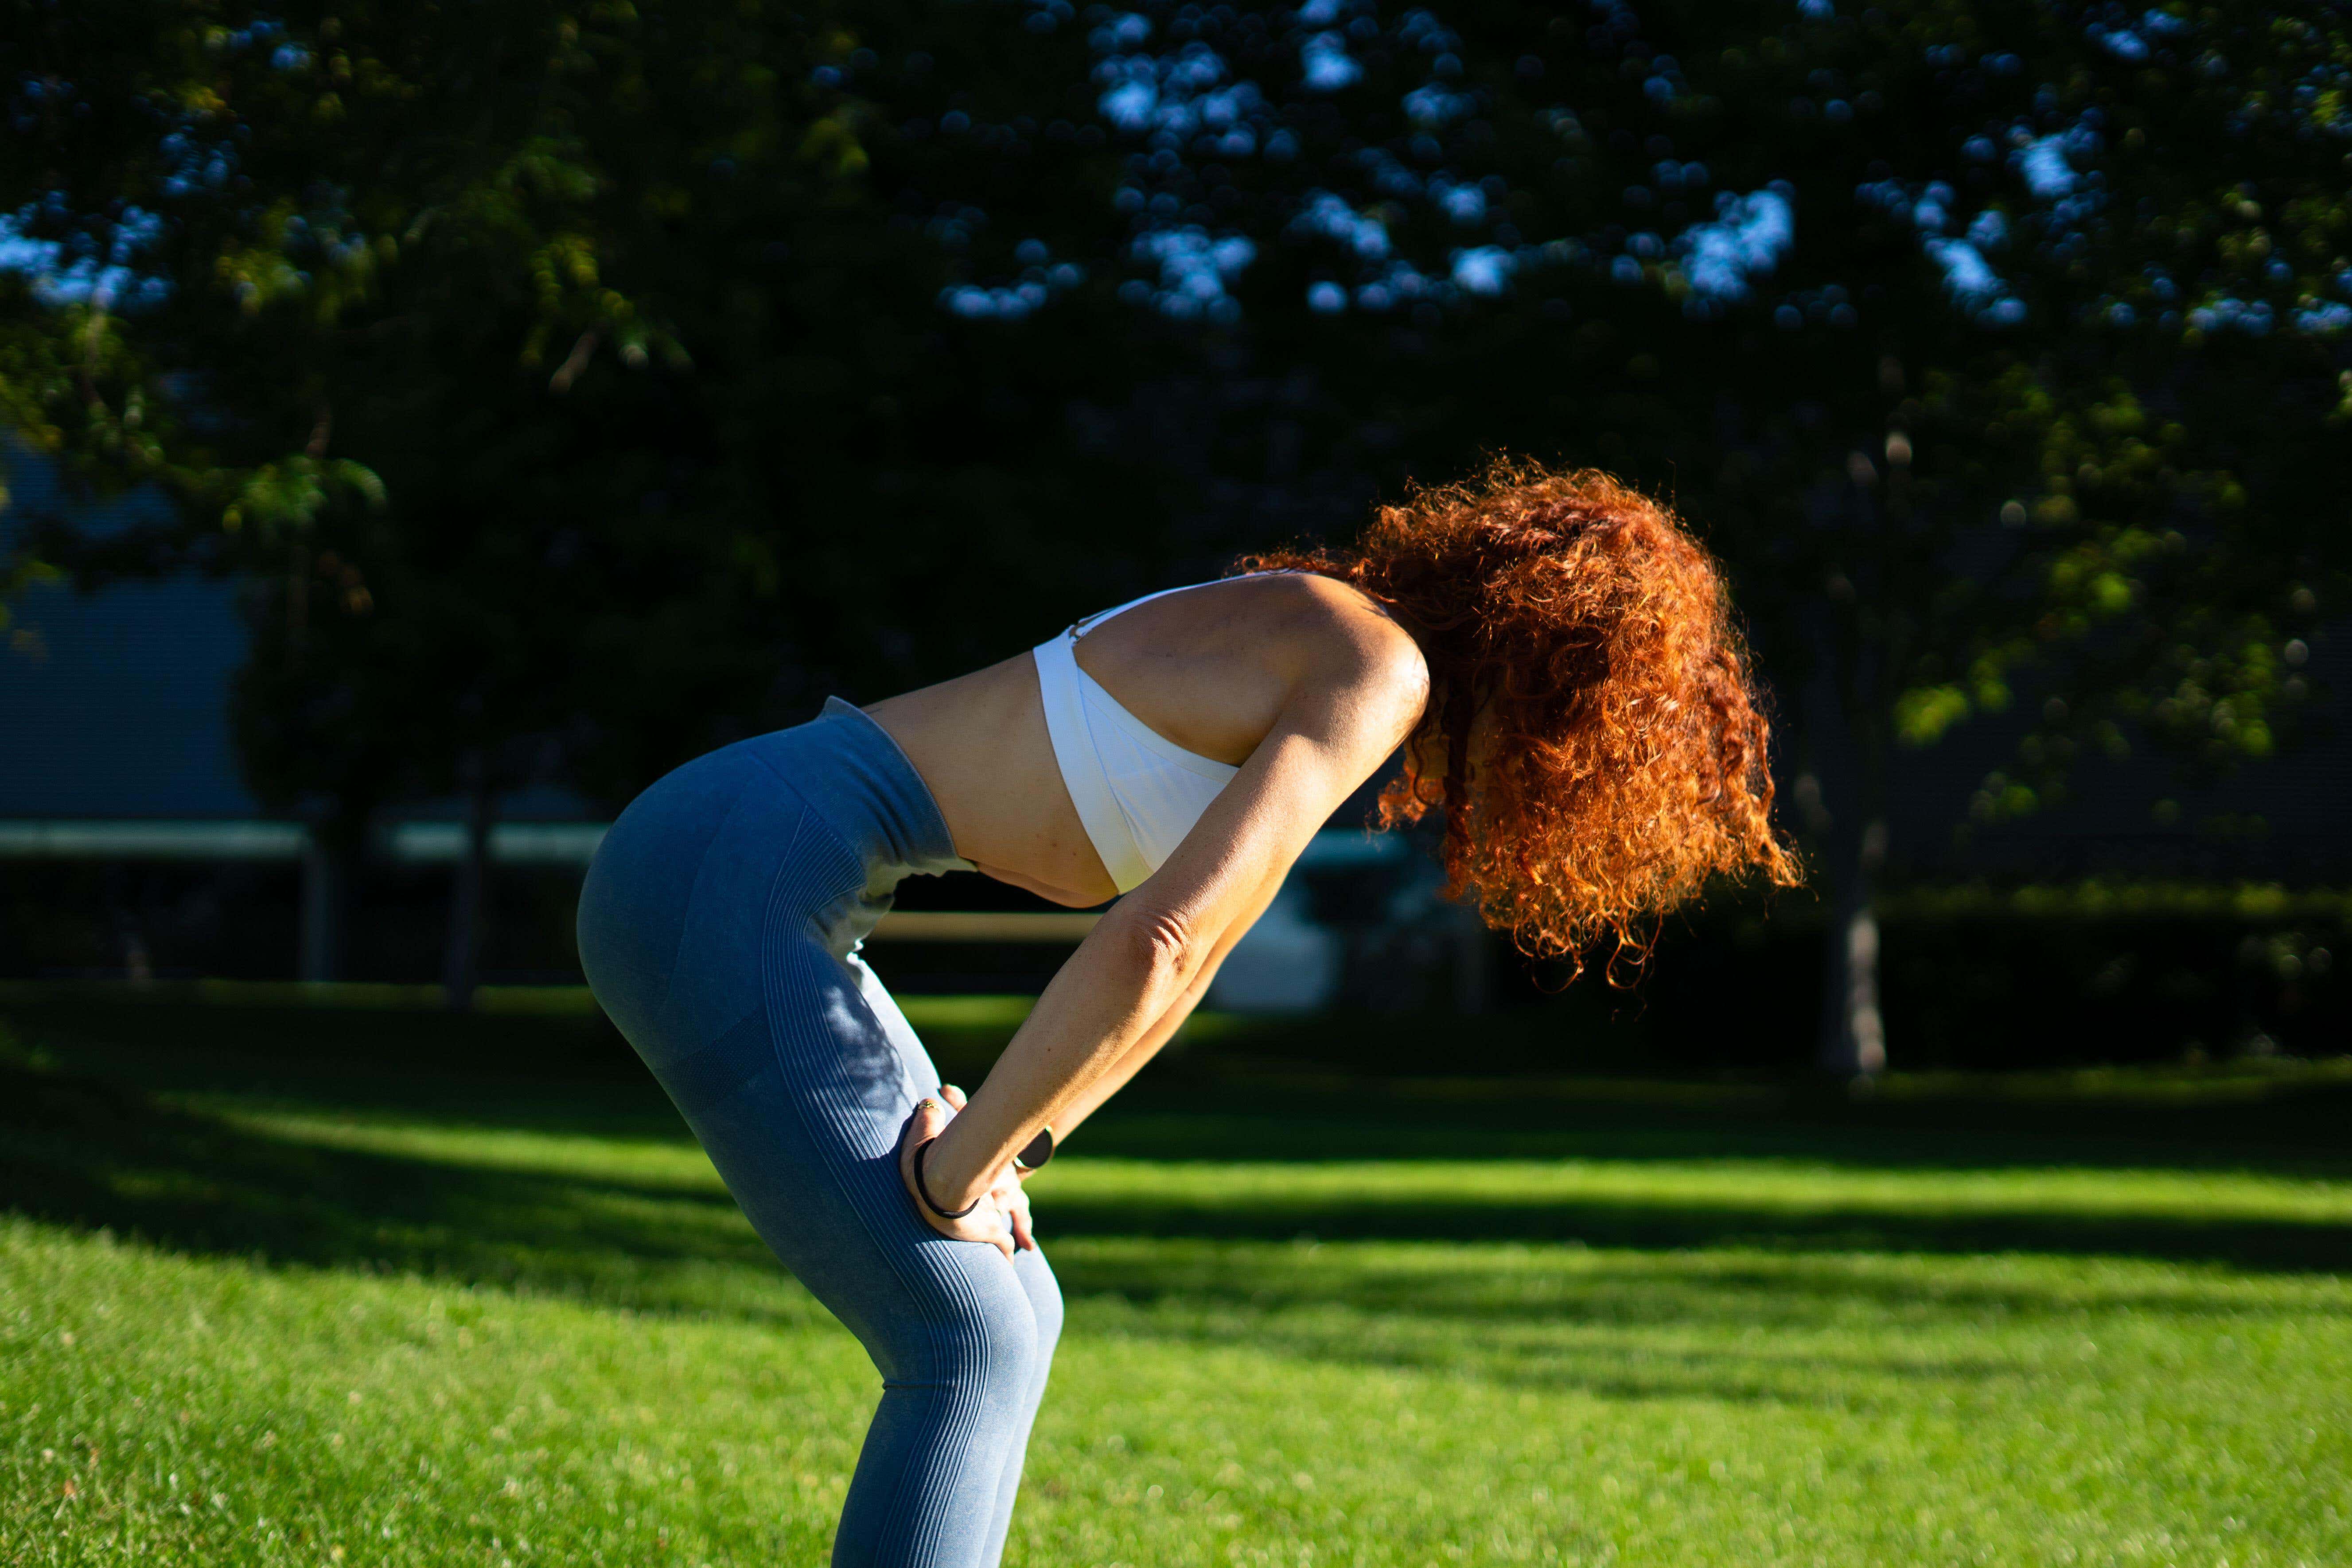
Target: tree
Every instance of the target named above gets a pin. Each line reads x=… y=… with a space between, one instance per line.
x=239 y=227
x=696 y=362
x=553 y=376
x=1949 y=326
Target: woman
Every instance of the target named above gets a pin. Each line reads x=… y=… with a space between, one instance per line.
x=1551 y=650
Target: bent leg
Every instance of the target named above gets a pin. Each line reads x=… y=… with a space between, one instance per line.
x=954 y=1413
x=1045 y=1295
x=799 y=1106
x=1030 y=1269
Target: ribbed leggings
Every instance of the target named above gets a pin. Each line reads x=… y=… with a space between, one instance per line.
x=718 y=927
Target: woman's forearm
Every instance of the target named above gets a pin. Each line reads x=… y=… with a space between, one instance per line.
x=1112 y=994
x=1121 y=1072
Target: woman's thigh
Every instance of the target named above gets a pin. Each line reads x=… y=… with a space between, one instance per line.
x=799 y=1106
x=792 y=1066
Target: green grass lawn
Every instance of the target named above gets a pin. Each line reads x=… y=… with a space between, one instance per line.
x=315 y=1288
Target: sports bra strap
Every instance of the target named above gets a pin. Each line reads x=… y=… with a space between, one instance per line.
x=1081 y=628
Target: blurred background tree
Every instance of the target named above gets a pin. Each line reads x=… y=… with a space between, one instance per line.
x=588 y=386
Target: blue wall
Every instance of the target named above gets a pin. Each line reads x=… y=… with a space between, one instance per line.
x=115 y=704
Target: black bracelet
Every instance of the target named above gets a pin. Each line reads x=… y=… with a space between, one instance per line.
x=924 y=1193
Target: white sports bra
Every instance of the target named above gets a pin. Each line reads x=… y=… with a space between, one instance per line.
x=1136 y=792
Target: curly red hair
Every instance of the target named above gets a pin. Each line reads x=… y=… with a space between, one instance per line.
x=1619 y=760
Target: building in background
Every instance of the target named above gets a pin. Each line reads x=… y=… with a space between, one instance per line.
x=130 y=842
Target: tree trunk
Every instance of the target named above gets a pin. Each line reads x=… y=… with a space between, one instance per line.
x=1472 y=960
x=461 y=967
x=323 y=880
x=1862 y=654
x=121 y=899
x=1853 y=1034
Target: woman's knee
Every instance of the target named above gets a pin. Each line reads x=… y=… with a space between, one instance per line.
x=979 y=1340
x=1045 y=1293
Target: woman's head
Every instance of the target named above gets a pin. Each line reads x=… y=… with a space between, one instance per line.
x=1592 y=732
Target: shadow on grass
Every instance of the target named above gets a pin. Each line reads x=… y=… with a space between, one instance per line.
x=1620 y=1359
x=1790 y=1293
x=2275 y=1244
x=2297 y=1132
x=575 y=1074
x=91 y=1135
x=90 y=1151
x=561 y=1074
x=86 y=1152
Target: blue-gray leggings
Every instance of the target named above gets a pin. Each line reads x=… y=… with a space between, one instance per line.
x=718 y=927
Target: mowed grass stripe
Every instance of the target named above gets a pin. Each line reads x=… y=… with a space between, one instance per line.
x=1786 y=1185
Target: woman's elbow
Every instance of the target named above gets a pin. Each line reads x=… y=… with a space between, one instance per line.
x=1164 y=946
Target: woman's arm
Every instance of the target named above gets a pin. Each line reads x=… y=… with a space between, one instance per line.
x=1119 y=1074
x=1156 y=945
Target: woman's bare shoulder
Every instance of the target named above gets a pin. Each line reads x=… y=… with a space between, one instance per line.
x=1344 y=639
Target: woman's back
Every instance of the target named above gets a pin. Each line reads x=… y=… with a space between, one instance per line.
x=1207 y=671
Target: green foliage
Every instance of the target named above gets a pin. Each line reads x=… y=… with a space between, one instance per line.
x=291 y=495
x=636 y=314
x=1923 y=713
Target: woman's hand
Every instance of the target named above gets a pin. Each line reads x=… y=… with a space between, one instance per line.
x=1001 y=1218
x=1008 y=1193
x=1013 y=1199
